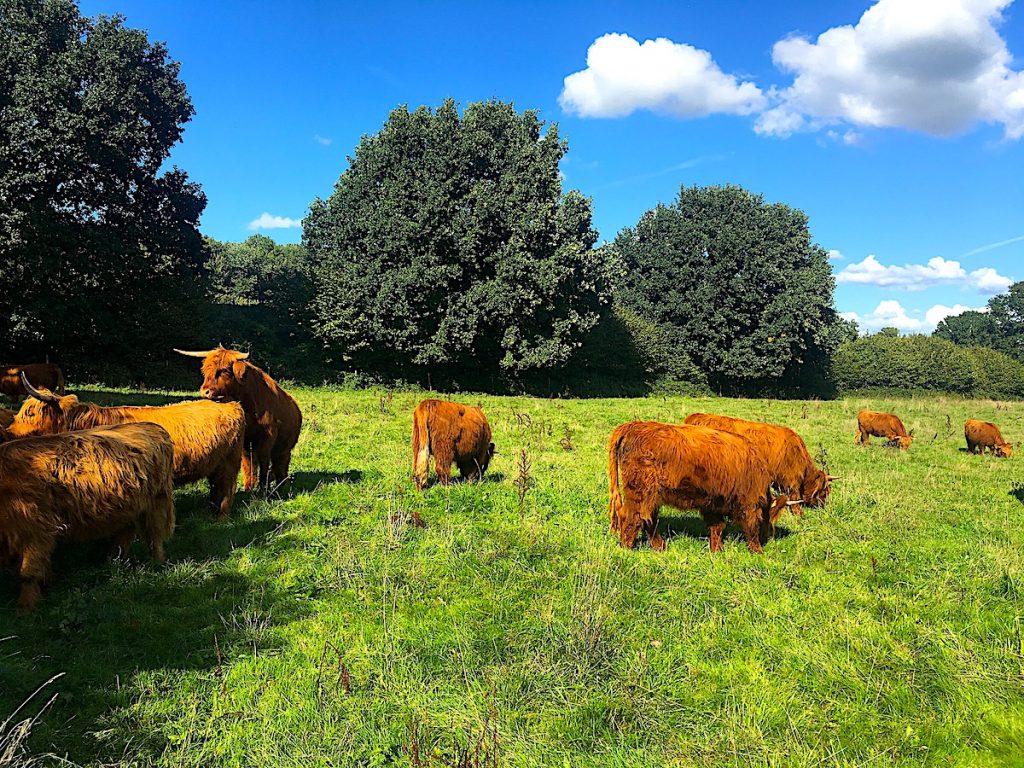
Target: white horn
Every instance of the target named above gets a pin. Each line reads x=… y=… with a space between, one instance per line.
x=193 y=354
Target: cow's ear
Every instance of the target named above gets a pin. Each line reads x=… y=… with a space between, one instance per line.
x=238 y=368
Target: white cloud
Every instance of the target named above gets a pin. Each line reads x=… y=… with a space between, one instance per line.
x=940 y=312
x=917 y=277
x=890 y=313
x=624 y=75
x=323 y=141
x=269 y=221
x=935 y=66
x=835 y=255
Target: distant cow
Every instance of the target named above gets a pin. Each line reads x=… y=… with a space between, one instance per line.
x=272 y=417
x=97 y=484
x=207 y=437
x=719 y=473
x=983 y=435
x=789 y=462
x=874 y=423
x=453 y=433
x=45 y=375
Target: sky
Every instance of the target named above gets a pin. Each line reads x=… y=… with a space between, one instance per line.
x=897 y=125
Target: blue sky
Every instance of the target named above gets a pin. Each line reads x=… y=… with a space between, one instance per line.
x=898 y=126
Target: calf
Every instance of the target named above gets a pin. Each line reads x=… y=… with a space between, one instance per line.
x=982 y=435
x=688 y=467
x=453 y=433
x=96 y=484
x=877 y=424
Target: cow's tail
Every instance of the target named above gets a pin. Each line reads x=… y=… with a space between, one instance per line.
x=420 y=447
x=614 y=495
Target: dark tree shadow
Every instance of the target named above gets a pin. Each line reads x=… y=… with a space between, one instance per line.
x=102 y=622
x=108 y=397
x=692 y=527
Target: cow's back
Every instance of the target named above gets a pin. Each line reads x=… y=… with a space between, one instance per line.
x=983 y=433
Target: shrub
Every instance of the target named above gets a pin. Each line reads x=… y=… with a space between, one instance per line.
x=904 y=363
x=998 y=376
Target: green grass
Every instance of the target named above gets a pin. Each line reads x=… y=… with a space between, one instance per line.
x=885 y=629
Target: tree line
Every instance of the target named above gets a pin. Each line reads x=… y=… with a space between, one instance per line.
x=448 y=253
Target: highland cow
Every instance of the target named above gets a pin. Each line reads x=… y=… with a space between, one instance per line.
x=453 y=433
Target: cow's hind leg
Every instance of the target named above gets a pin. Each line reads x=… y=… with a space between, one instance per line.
x=443 y=460
x=250 y=475
x=223 y=483
x=651 y=529
x=159 y=523
x=280 y=468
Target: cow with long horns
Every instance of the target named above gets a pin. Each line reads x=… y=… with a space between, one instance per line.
x=208 y=437
x=792 y=469
x=98 y=484
x=45 y=375
x=272 y=417
x=719 y=473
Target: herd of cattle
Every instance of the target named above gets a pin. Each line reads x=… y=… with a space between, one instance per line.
x=78 y=471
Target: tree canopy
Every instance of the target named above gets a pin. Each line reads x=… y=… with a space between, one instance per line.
x=736 y=284
x=1001 y=327
x=448 y=241
x=98 y=244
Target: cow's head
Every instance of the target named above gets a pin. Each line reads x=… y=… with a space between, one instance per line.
x=223 y=373
x=1005 y=450
x=817 y=487
x=42 y=413
x=903 y=443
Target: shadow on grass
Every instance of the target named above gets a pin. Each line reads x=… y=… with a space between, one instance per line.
x=1018 y=492
x=671 y=526
x=117 y=629
x=106 y=397
x=303 y=483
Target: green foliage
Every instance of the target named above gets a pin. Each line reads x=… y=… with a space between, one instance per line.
x=1001 y=327
x=100 y=257
x=914 y=362
x=322 y=629
x=734 y=284
x=449 y=242
x=259 y=271
x=997 y=375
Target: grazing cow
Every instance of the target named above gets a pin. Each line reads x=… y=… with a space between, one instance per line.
x=720 y=474
x=272 y=417
x=207 y=437
x=96 y=484
x=874 y=423
x=984 y=434
x=45 y=375
x=789 y=462
x=453 y=433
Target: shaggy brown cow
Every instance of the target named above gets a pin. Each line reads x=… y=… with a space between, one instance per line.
x=874 y=423
x=96 y=484
x=272 y=417
x=789 y=462
x=45 y=375
x=688 y=467
x=208 y=437
x=984 y=434
x=452 y=433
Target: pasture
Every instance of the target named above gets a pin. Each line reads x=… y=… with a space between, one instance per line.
x=326 y=628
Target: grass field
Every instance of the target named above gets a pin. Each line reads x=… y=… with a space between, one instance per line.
x=325 y=629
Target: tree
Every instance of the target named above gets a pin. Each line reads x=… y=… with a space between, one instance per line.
x=736 y=283
x=888 y=332
x=99 y=249
x=448 y=241
x=968 y=329
x=258 y=271
x=1001 y=327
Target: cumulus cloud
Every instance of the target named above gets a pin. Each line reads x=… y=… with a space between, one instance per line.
x=269 y=221
x=935 y=66
x=624 y=75
x=940 y=312
x=323 y=141
x=835 y=255
x=891 y=314
x=917 y=277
